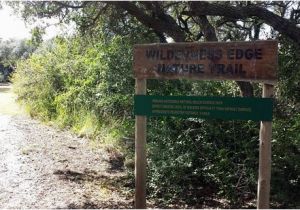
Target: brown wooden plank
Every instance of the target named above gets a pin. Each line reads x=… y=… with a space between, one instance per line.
x=264 y=172
x=241 y=61
x=140 y=151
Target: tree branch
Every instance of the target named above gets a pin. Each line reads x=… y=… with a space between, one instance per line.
x=162 y=23
x=207 y=29
x=63 y=4
x=280 y=24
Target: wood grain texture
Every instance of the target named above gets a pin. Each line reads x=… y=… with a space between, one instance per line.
x=140 y=151
x=240 y=61
x=264 y=172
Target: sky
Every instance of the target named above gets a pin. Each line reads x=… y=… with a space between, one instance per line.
x=13 y=27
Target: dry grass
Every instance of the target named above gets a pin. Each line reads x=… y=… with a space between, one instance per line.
x=8 y=103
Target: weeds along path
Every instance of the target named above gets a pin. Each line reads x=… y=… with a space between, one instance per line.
x=43 y=167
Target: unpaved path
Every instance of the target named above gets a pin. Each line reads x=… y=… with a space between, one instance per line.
x=43 y=167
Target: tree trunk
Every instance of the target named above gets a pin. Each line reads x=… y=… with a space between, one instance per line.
x=246 y=88
x=210 y=35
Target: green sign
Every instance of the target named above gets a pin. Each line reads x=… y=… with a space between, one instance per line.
x=257 y=109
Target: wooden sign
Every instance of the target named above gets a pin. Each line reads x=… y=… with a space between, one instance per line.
x=241 y=61
x=226 y=108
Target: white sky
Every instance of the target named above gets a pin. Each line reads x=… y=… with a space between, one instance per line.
x=13 y=26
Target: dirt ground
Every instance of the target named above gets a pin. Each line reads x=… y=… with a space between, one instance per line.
x=43 y=167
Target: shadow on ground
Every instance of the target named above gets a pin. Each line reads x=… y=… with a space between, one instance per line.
x=93 y=176
x=111 y=182
x=116 y=162
x=103 y=205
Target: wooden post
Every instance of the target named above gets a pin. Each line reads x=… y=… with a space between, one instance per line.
x=140 y=151
x=264 y=173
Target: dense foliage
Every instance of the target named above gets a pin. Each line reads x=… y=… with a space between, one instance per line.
x=11 y=51
x=286 y=136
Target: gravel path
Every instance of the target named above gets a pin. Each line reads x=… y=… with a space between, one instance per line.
x=43 y=167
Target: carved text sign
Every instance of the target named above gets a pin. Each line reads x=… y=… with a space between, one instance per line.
x=242 y=61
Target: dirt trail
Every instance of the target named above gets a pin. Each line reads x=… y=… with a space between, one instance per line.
x=43 y=167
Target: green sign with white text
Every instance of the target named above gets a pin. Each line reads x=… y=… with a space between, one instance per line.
x=257 y=109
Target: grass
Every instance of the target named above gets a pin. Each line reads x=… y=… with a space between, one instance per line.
x=8 y=105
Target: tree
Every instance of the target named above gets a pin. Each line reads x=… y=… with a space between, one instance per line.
x=174 y=19
x=36 y=37
x=181 y=21
x=12 y=50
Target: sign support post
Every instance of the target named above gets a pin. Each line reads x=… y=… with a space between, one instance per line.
x=264 y=173
x=140 y=150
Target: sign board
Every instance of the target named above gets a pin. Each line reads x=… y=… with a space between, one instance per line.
x=204 y=107
x=241 y=61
